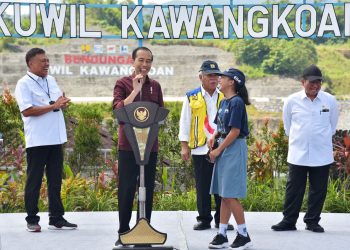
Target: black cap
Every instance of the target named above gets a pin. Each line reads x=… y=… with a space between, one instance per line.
x=236 y=75
x=312 y=73
x=210 y=67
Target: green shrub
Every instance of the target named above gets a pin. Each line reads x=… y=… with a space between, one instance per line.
x=11 y=125
x=182 y=176
x=251 y=52
x=290 y=58
x=87 y=139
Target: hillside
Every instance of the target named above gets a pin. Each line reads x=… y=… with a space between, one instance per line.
x=181 y=61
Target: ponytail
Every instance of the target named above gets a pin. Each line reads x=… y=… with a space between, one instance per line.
x=243 y=93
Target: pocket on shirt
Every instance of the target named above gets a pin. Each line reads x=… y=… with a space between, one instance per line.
x=298 y=115
x=40 y=98
x=324 y=118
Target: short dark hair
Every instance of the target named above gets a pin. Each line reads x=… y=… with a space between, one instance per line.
x=140 y=48
x=32 y=53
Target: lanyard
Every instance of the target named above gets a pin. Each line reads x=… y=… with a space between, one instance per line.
x=47 y=85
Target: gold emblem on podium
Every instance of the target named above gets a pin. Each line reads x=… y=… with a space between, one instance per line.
x=141 y=135
x=141 y=114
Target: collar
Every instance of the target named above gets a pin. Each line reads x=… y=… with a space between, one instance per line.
x=303 y=95
x=204 y=92
x=35 y=77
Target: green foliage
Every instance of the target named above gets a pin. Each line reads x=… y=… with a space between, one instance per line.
x=274 y=56
x=251 y=52
x=86 y=138
x=267 y=169
x=175 y=201
x=82 y=194
x=334 y=61
x=11 y=130
x=264 y=196
x=290 y=57
x=279 y=150
x=68 y=173
x=181 y=174
x=11 y=193
x=11 y=125
x=341 y=149
x=338 y=197
x=268 y=154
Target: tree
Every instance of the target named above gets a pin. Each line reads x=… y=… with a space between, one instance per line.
x=290 y=57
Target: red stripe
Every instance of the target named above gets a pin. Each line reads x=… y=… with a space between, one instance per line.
x=207 y=126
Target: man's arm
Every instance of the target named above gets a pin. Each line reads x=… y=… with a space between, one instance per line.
x=184 y=130
x=286 y=116
x=119 y=94
x=160 y=97
x=334 y=109
x=25 y=103
x=40 y=110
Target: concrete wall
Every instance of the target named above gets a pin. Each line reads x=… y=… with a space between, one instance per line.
x=185 y=60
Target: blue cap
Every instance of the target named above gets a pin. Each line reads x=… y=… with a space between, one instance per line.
x=235 y=74
x=210 y=67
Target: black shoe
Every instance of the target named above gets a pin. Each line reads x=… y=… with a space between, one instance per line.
x=119 y=244
x=241 y=242
x=314 y=227
x=201 y=226
x=218 y=242
x=229 y=226
x=283 y=226
x=33 y=227
x=62 y=224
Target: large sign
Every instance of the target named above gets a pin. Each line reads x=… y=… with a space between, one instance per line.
x=187 y=22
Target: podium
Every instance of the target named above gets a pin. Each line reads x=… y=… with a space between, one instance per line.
x=141 y=126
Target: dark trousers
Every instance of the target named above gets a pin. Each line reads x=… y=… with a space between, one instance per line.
x=128 y=182
x=37 y=158
x=296 y=184
x=203 y=170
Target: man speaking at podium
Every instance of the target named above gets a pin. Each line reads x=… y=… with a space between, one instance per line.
x=134 y=88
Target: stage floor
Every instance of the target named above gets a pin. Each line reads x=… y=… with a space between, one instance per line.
x=98 y=231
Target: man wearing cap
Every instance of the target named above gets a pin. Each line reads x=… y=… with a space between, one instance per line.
x=196 y=126
x=310 y=118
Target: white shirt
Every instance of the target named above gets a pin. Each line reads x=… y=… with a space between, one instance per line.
x=310 y=126
x=185 y=120
x=46 y=129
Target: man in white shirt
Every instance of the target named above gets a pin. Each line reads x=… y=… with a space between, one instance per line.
x=196 y=126
x=40 y=101
x=310 y=118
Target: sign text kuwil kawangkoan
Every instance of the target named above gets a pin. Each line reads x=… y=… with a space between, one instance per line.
x=188 y=22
